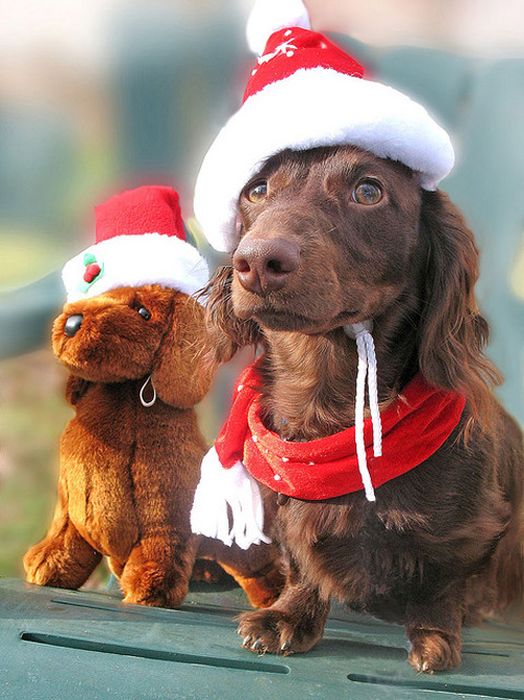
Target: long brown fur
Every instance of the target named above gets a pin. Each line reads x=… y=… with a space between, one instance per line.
x=442 y=546
x=128 y=472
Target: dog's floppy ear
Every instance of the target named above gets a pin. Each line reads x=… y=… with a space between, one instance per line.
x=230 y=333
x=181 y=376
x=453 y=334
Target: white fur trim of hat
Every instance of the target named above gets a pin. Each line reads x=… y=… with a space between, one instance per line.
x=133 y=261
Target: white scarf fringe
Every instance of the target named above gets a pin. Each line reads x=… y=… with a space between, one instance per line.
x=220 y=488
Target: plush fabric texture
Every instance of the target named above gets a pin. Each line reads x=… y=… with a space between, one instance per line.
x=305 y=92
x=128 y=472
x=140 y=239
x=414 y=427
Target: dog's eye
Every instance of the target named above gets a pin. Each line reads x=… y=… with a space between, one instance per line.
x=257 y=192
x=144 y=313
x=367 y=192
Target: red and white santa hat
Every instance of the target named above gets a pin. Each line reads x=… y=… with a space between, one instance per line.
x=140 y=239
x=306 y=92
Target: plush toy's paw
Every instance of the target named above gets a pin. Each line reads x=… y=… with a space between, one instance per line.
x=149 y=583
x=49 y=564
x=275 y=632
x=432 y=651
x=42 y=568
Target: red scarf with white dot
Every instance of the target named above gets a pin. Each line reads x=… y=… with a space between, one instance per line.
x=414 y=426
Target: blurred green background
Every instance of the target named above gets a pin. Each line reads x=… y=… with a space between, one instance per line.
x=99 y=96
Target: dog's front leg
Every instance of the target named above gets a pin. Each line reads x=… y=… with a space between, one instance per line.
x=295 y=623
x=434 y=631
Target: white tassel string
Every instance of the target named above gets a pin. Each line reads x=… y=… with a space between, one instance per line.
x=367 y=367
x=373 y=395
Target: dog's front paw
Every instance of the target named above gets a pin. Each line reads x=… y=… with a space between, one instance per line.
x=275 y=632
x=432 y=651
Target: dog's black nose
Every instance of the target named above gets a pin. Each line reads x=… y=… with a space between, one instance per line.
x=72 y=325
x=263 y=265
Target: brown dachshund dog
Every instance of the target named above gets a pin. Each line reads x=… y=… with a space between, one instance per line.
x=128 y=471
x=333 y=236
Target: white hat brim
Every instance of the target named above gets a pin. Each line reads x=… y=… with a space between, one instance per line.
x=137 y=260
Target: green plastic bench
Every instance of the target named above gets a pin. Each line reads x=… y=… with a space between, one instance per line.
x=64 y=645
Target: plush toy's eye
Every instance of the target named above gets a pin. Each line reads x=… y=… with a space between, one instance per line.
x=257 y=192
x=144 y=313
x=367 y=192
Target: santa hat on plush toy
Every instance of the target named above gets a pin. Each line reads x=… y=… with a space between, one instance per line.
x=306 y=92
x=140 y=239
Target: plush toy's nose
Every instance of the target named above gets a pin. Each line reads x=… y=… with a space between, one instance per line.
x=73 y=324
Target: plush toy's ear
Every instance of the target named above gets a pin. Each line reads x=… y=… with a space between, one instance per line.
x=75 y=389
x=182 y=377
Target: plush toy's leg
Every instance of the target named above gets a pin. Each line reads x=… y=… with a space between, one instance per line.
x=208 y=571
x=262 y=587
x=434 y=630
x=63 y=558
x=258 y=570
x=158 y=570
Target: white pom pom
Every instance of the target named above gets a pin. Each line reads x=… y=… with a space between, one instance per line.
x=269 y=16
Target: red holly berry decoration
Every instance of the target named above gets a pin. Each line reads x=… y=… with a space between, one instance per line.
x=91 y=271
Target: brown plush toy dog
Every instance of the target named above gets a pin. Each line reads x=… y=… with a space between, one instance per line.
x=132 y=338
